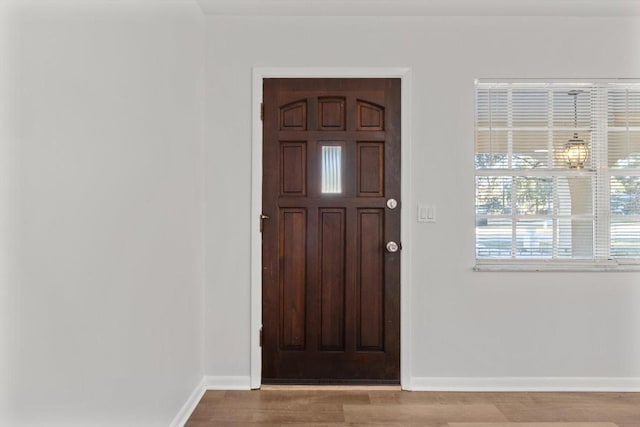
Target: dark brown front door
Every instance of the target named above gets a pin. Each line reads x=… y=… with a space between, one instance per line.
x=331 y=289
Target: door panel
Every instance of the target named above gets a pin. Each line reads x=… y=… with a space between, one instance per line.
x=331 y=292
x=370 y=169
x=331 y=113
x=292 y=277
x=293 y=164
x=332 y=278
x=370 y=290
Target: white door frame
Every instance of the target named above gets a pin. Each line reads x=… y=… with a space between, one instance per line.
x=260 y=73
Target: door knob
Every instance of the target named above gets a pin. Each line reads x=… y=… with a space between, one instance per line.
x=392 y=246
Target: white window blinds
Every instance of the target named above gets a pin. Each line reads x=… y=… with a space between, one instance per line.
x=623 y=164
x=557 y=171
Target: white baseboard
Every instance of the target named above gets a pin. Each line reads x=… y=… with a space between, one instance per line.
x=208 y=383
x=602 y=384
x=227 y=383
x=505 y=384
x=189 y=406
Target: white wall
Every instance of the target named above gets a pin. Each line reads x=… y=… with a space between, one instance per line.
x=101 y=206
x=100 y=211
x=464 y=324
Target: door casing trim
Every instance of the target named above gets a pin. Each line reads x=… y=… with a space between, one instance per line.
x=406 y=216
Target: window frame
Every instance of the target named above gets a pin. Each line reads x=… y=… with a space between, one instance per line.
x=600 y=189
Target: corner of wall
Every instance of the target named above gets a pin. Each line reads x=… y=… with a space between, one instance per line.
x=189 y=406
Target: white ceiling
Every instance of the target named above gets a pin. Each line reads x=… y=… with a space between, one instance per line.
x=422 y=7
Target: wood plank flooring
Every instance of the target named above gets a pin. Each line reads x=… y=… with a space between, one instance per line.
x=374 y=407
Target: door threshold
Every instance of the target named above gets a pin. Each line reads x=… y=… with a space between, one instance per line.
x=329 y=387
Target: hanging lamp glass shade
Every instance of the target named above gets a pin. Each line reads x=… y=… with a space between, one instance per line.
x=576 y=152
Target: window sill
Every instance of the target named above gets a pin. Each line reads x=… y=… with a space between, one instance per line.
x=550 y=266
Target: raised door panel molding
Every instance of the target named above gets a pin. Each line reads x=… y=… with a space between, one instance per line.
x=331 y=114
x=370 y=116
x=294 y=116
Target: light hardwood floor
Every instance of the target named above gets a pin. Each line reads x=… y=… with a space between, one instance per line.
x=336 y=407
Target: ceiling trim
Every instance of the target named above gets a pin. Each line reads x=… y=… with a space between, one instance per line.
x=421 y=7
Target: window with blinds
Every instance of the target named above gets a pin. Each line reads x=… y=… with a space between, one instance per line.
x=557 y=171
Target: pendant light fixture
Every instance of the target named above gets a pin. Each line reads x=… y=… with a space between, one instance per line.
x=576 y=150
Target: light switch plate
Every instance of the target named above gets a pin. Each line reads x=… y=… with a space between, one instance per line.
x=426 y=213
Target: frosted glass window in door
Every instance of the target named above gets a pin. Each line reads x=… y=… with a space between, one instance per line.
x=331 y=169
